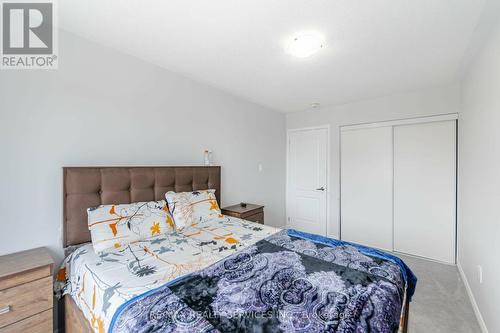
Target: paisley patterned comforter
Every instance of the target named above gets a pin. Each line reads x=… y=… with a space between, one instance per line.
x=288 y=282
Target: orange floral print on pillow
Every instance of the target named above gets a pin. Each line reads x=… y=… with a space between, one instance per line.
x=115 y=226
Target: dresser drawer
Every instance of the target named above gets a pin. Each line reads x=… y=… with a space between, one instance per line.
x=258 y=218
x=31 y=275
x=25 y=300
x=39 y=323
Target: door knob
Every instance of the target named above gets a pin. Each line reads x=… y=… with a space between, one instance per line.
x=320 y=189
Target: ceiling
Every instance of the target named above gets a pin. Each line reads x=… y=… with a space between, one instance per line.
x=373 y=48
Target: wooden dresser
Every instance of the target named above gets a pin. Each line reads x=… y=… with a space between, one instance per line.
x=26 y=294
x=251 y=212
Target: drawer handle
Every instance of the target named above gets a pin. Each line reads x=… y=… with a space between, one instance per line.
x=5 y=309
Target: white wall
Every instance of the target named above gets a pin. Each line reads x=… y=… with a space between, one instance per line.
x=433 y=101
x=102 y=107
x=479 y=180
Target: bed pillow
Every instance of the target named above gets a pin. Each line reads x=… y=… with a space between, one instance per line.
x=115 y=226
x=188 y=208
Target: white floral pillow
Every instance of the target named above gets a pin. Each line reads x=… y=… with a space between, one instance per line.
x=189 y=208
x=115 y=226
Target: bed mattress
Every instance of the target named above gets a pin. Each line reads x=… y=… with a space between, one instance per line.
x=227 y=274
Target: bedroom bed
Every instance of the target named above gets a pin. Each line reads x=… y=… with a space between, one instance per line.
x=110 y=291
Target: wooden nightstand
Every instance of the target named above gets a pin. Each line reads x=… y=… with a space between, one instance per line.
x=251 y=212
x=26 y=293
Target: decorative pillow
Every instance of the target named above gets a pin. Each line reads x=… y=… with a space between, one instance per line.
x=115 y=226
x=188 y=208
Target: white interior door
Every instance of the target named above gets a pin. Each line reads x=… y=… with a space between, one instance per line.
x=366 y=186
x=425 y=189
x=307 y=180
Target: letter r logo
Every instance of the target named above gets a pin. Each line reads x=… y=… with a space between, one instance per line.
x=27 y=28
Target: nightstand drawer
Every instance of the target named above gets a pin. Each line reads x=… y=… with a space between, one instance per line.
x=25 y=300
x=31 y=275
x=249 y=212
x=39 y=323
x=258 y=218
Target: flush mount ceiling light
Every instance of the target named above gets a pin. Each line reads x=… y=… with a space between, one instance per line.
x=305 y=45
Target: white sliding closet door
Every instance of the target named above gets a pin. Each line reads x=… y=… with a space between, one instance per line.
x=366 y=186
x=424 y=189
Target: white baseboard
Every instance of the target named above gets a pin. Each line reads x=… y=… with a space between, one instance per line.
x=420 y=257
x=479 y=317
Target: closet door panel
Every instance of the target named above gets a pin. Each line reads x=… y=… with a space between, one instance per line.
x=424 y=190
x=366 y=186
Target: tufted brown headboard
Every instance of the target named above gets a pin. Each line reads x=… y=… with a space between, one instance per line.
x=85 y=187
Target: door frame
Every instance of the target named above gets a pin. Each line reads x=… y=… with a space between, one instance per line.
x=287 y=183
